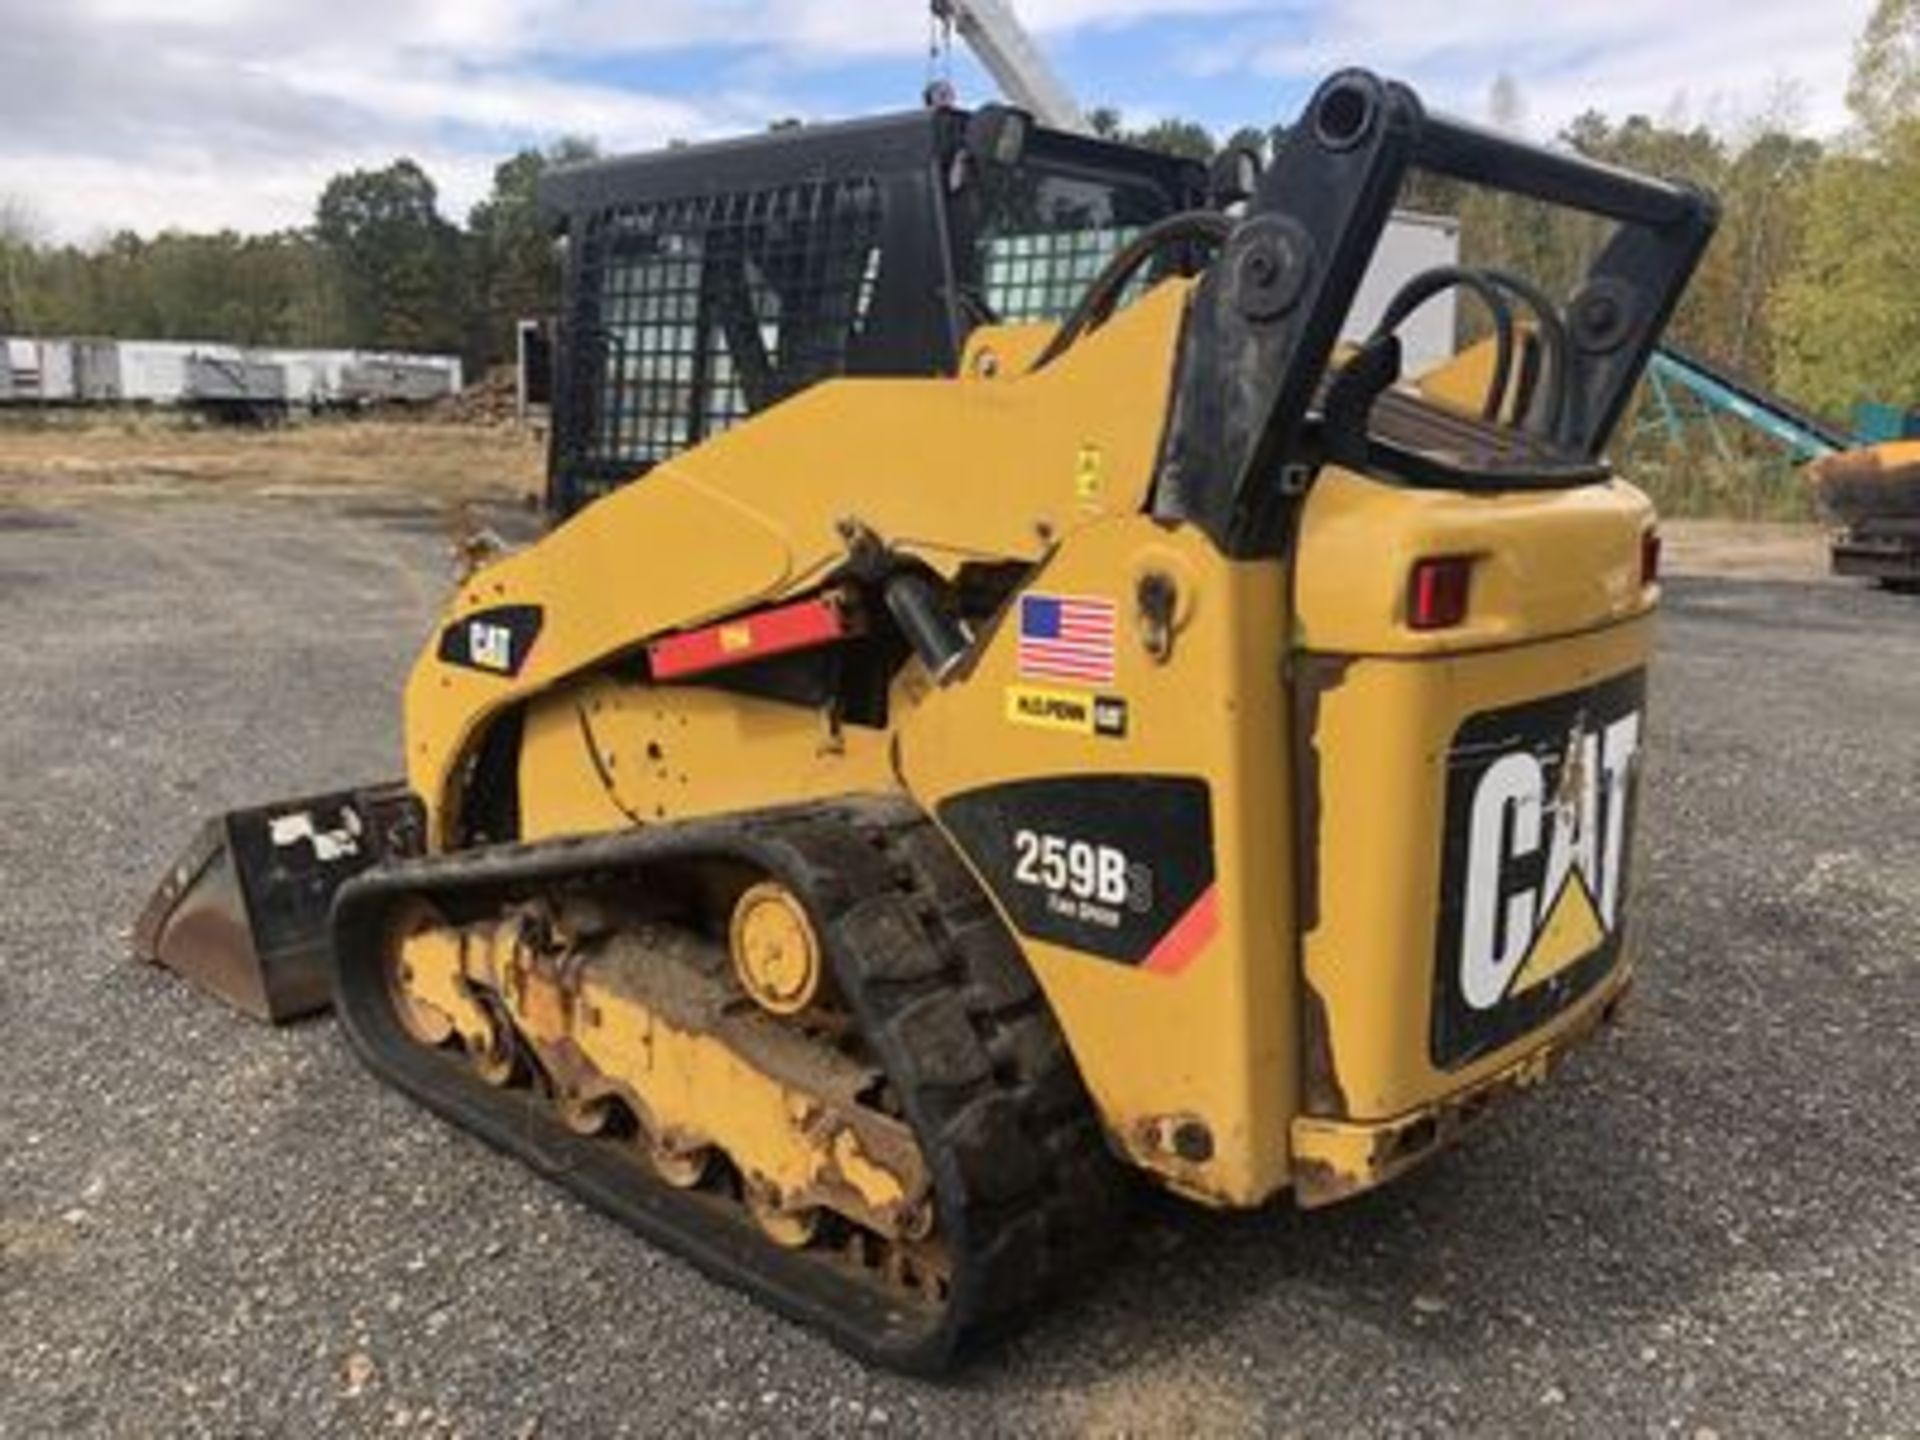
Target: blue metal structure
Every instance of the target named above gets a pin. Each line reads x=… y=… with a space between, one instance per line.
x=1687 y=390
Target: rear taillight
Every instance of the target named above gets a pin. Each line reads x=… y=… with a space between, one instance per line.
x=1650 y=557
x=1437 y=592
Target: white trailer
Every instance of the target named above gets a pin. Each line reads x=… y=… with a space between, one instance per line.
x=58 y=370
x=96 y=366
x=448 y=369
x=153 y=372
x=377 y=380
x=312 y=376
x=22 y=364
x=242 y=382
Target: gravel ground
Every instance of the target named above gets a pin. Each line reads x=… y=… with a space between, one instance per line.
x=1706 y=1227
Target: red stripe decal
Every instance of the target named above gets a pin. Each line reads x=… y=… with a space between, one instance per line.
x=1188 y=937
x=749 y=637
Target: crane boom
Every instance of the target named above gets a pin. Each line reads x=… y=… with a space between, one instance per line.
x=994 y=34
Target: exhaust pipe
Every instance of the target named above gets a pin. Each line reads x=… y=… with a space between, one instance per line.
x=243 y=913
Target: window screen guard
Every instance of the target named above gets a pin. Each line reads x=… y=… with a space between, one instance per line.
x=702 y=311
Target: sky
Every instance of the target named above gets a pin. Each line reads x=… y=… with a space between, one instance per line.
x=203 y=114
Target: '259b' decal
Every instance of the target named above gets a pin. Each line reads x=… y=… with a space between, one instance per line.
x=1080 y=878
x=1539 y=826
x=1118 y=866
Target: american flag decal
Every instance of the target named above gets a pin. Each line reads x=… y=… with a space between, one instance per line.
x=1067 y=637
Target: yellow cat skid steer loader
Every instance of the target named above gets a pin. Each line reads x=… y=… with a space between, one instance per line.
x=1048 y=711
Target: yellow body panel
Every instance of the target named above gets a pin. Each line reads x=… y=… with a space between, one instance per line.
x=1558 y=604
x=1379 y=732
x=1549 y=564
x=1461 y=382
x=605 y=753
x=1335 y=1159
x=1212 y=1044
x=996 y=468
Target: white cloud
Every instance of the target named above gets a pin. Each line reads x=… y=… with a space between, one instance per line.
x=1719 y=59
x=212 y=113
x=203 y=113
x=198 y=114
x=430 y=93
x=193 y=190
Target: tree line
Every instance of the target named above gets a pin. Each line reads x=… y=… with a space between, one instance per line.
x=1808 y=286
x=380 y=268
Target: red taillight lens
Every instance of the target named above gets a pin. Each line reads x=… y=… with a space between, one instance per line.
x=1650 y=557
x=1437 y=592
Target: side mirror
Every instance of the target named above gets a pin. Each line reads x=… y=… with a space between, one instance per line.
x=1233 y=176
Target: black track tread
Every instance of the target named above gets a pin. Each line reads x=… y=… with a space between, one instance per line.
x=1029 y=1197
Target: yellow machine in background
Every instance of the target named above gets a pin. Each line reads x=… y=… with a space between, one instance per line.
x=1871 y=495
x=1039 y=716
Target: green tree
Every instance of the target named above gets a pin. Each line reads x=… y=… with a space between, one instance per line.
x=398 y=260
x=1172 y=136
x=1764 y=196
x=17 y=235
x=1847 y=317
x=1885 y=87
x=1185 y=138
x=514 y=268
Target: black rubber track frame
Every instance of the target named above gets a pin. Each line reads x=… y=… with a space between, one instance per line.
x=1027 y=1193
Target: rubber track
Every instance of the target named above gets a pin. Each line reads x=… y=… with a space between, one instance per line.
x=1028 y=1196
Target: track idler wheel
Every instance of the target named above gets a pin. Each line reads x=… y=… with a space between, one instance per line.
x=776 y=955
x=424 y=1022
x=420 y=965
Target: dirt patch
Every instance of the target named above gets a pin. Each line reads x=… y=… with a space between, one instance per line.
x=1161 y=1397
x=24 y=1239
x=167 y=456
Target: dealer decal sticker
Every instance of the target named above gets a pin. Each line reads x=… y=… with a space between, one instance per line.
x=1067 y=710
